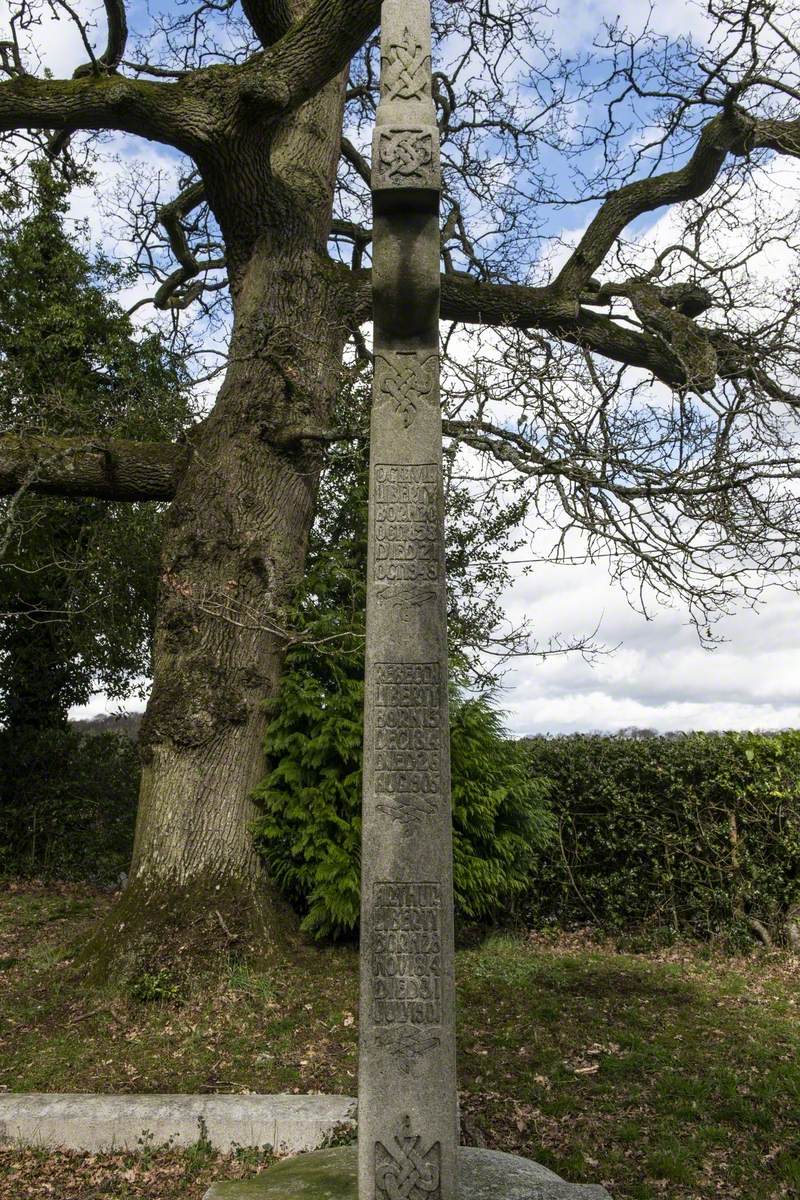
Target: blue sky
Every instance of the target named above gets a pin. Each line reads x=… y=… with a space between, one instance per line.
x=659 y=676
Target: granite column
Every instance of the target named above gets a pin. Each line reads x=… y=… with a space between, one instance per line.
x=407 y=1084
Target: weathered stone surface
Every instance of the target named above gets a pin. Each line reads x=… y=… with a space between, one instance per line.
x=290 y=1124
x=407 y=1080
x=333 y=1175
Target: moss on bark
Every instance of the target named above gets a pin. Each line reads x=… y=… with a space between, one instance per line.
x=186 y=928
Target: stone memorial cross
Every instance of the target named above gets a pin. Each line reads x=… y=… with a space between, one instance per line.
x=407 y=1083
x=407 y=1106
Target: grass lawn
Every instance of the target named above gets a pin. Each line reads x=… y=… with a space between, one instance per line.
x=674 y=1074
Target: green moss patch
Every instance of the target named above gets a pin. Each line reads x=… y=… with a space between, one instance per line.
x=674 y=1074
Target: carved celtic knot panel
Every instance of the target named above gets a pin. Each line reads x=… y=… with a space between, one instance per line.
x=405 y=157
x=406 y=73
x=403 y=1171
x=408 y=1046
x=407 y=380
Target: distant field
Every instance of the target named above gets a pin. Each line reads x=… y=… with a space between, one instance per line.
x=674 y=1074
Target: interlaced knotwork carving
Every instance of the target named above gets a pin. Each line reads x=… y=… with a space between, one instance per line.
x=405 y=155
x=405 y=70
x=404 y=1172
x=407 y=381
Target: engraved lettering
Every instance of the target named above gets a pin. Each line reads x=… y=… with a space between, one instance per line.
x=405 y=502
x=405 y=954
x=407 y=708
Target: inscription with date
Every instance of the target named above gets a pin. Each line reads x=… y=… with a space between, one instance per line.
x=407 y=710
x=406 y=507
x=406 y=954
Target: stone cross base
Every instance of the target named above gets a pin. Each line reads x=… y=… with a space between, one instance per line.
x=333 y=1175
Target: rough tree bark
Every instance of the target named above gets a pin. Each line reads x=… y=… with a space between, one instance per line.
x=265 y=135
x=236 y=538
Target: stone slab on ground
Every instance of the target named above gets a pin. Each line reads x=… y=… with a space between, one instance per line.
x=290 y=1124
x=333 y=1175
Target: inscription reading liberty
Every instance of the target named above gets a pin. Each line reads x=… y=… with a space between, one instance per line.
x=407 y=708
x=406 y=954
x=403 y=1171
x=405 y=502
x=405 y=71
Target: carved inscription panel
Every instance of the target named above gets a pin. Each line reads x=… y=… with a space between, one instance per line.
x=406 y=956
x=406 y=512
x=404 y=1171
x=407 y=714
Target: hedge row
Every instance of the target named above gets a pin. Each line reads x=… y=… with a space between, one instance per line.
x=692 y=832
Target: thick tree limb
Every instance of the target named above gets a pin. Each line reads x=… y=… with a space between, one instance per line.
x=734 y=132
x=91 y=467
x=171 y=215
x=312 y=52
x=356 y=159
x=173 y=113
x=517 y=307
x=116 y=40
x=270 y=19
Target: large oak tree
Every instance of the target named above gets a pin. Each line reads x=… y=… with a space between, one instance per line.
x=645 y=394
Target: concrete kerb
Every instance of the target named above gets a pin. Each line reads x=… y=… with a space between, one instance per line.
x=288 y=1124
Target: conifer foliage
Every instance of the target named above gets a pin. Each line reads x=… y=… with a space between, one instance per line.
x=77 y=577
x=309 y=830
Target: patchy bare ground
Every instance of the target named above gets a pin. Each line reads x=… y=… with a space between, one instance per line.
x=153 y=1174
x=674 y=1073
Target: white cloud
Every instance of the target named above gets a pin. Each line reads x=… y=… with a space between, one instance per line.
x=576 y=24
x=659 y=677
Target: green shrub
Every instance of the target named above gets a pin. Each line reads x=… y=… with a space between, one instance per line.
x=71 y=816
x=693 y=833
x=310 y=828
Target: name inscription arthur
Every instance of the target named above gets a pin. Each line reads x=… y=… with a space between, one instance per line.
x=405 y=953
x=406 y=507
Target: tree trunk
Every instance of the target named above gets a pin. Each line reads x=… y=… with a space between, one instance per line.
x=234 y=552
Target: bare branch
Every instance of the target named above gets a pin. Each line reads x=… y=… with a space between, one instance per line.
x=109 y=60
x=734 y=132
x=356 y=160
x=116 y=41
